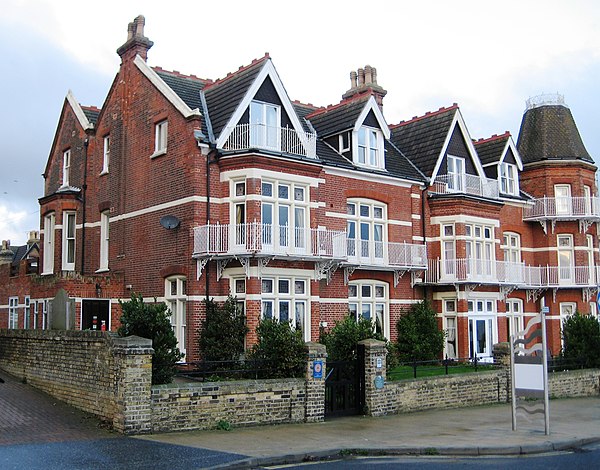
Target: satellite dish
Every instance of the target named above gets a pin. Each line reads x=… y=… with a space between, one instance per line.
x=169 y=222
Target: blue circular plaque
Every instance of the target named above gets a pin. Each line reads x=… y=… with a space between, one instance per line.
x=379 y=382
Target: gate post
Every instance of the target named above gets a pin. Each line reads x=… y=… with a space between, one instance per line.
x=315 y=382
x=374 y=377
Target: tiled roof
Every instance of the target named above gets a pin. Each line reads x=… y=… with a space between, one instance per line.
x=186 y=87
x=224 y=95
x=91 y=113
x=339 y=117
x=490 y=150
x=549 y=133
x=422 y=138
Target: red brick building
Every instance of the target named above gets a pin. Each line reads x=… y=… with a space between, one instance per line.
x=182 y=188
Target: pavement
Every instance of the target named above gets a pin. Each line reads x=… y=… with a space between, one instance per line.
x=37 y=427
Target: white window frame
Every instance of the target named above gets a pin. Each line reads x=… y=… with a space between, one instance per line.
x=450 y=316
x=69 y=240
x=511 y=247
x=287 y=200
x=238 y=291
x=49 y=246
x=367 y=228
x=36 y=312
x=566 y=273
x=13 y=313
x=367 y=296
x=274 y=298
x=45 y=325
x=482 y=309
x=104 y=240
x=509 y=179
x=456 y=173
x=368 y=147
x=563 y=202
x=514 y=317
x=105 y=155
x=265 y=134
x=161 y=136
x=480 y=250
x=66 y=168
x=588 y=200
x=448 y=247
x=27 y=312
x=176 y=300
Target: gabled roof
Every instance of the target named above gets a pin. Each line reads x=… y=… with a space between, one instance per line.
x=225 y=95
x=338 y=118
x=549 y=132
x=78 y=110
x=187 y=87
x=425 y=139
x=493 y=150
x=422 y=139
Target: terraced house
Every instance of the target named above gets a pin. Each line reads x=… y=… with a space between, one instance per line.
x=182 y=188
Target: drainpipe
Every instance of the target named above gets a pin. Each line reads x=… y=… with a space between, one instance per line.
x=423 y=227
x=86 y=143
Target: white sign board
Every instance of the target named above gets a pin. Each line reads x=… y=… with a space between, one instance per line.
x=529 y=376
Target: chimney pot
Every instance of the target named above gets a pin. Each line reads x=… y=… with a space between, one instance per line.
x=374 y=75
x=361 y=77
x=353 y=76
x=368 y=75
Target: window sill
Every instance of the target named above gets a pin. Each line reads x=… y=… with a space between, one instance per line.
x=369 y=167
x=102 y=270
x=158 y=153
x=49 y=273
x=104 y=172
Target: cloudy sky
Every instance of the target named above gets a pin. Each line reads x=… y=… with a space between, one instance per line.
x=488 y=57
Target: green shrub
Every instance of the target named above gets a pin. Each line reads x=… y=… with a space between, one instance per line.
x=281 y=346
x=342 y=340
x=419 y=338
x=581 y=340
x=223 y=331
x=152 y=321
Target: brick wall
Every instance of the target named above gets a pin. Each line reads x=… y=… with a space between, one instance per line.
x=94 y=371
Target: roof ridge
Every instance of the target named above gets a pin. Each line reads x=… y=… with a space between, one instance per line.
x=307 y=105
x=491 y=138
x=428 y=114
x=181 y=75
x=357 y=97
x=242 y=68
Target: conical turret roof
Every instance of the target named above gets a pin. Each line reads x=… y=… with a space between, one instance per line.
x=548 y=132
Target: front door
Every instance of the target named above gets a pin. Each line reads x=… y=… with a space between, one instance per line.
x=481 y=329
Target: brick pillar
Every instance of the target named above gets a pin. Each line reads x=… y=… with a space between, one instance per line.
x=133 y=380
x=315 y=386
x=374 y=355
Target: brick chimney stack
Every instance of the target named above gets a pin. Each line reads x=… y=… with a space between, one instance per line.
x=365 y=80
x=137 y=43
x=6 y=254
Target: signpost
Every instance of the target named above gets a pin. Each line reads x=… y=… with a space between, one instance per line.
x=529 y=371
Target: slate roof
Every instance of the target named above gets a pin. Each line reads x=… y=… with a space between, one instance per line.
x=422 y=138
x=91 y=113
x=490 y=150
x=186 y=87
x=549 y=132
x=224 y=96
x=339 y=117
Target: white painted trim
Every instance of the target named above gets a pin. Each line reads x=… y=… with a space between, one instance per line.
x=371 y=178
x=458 y=119
x=415 y=195
x=463 y=219
x=165 y=205
x=163 y=88
x=81 y=117
x=371 y=105
x=268 y=70
x=339 y=215
x=259 y=173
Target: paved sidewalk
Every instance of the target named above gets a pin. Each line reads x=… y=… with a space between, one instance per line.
x=484 y=430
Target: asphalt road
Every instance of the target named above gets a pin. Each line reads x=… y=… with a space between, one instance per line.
x=584 y=458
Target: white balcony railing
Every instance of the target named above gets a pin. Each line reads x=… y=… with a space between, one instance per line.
x=465 y=184
x=267 y=239
x=508 y=273
x=278 y=139
x=563 y=208
x=388 y=254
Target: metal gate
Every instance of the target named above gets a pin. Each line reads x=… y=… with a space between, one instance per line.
x=344 y=388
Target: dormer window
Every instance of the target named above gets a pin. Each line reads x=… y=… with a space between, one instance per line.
x=509 y=179
x=66 y=168
x=456 y=173
x=369 y=148
x=265 y=121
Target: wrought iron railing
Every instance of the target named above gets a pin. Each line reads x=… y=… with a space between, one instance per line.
x=392 y=254
x=562 y=207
